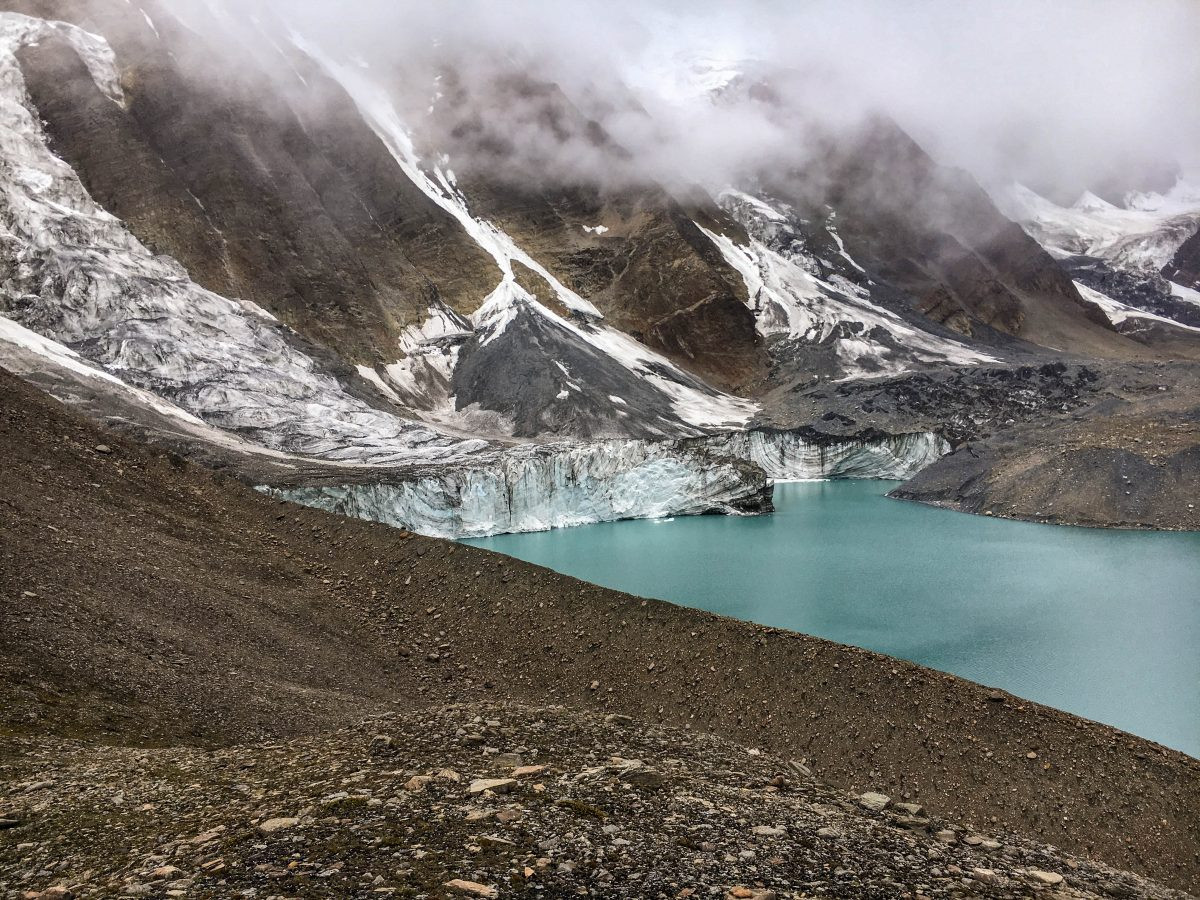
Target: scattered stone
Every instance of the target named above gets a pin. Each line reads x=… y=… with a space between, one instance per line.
x=874 y=802
x=1043 y=877
x=507 y=760
x=495 y=785
x=356 y=831
x=278 y=824
x=527 y=771
x=474 y=888
x=985 y=876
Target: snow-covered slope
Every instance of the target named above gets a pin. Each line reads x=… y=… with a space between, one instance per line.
x=1141 y=236
x=800 y=297
x=1119 y=255
x=428 y=366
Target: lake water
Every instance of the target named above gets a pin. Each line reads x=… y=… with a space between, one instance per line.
x=1104 y=624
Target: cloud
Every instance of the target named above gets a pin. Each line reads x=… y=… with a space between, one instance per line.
x=1060 y=94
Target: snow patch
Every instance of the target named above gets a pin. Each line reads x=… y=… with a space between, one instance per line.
x=790 y=299
x=1119 y=313
x=1140 y=237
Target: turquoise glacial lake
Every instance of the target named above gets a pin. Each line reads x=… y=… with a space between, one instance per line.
x=1103 y=624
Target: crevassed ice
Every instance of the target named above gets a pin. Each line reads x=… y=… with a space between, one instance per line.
x=81 y=279
x=788 y=456
x=550 y=487
x=558 y=487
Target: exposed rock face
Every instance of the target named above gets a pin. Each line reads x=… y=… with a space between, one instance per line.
x=1138 y=291
x=1184 y=267
x=933 y=233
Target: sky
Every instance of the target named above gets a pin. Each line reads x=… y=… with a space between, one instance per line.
x=1062 y=95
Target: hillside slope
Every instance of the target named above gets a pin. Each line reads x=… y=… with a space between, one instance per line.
x=493 y=800
x=144 y=600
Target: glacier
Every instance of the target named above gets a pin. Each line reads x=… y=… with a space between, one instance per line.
x=795 y=455
x=1141 y=236
x=559 y=486
x=539 y=488
x=85 y=299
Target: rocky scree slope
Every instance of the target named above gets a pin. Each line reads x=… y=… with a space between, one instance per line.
x=495 y=800
x=1125 y=454
x=144 y=600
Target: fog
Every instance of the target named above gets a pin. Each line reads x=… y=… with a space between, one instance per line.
x=1061 y=95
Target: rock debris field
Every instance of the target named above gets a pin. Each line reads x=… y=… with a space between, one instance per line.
x=491 y=800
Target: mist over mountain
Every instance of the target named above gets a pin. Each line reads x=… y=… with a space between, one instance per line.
x=1061 y=96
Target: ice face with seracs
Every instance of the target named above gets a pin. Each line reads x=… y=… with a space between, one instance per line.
x=790 y=456
x=558 y=486
x=795 y=297
x=554 y=486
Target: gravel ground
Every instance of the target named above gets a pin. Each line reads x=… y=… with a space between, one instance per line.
x=148 y=602
x=493 y=800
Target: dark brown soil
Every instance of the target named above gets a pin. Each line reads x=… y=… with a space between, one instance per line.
x=144 y=600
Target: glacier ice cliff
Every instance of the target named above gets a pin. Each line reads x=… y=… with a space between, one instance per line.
x=557 y=486
x=796 y=455
x=552 y=486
